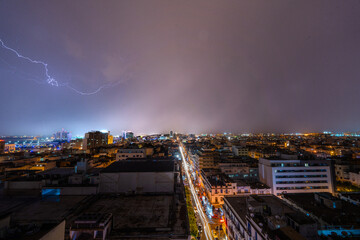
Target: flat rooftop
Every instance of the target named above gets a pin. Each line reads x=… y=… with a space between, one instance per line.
x=239 y=205
x=140 y=166
x=10 y=204
x=135 y=211
x=50 y=211
x=146 y=215
x=347 y=214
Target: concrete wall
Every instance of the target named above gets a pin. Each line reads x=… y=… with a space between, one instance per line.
x=124 y=155
x=140 y=182
x=17 y=185
x=4 y=225
x=74 y=191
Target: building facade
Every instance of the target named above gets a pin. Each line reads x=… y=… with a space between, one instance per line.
x=124 y=154
x=2 y=146
x=141 y=176
x=297 y=176
x=354 y=178
x=95 y=139
x=219 y=186
x=240 y=151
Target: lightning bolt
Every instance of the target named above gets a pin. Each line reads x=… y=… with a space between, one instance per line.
x=49 y=79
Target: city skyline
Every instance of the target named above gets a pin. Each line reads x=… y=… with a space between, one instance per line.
x=196 y=67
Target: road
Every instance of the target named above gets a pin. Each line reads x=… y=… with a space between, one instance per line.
x=204 y=221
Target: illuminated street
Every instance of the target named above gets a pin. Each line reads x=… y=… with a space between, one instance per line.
x=205 y=223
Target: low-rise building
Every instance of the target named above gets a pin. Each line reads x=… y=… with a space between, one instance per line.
x=217 y=186
x=240 y=150
x=335 y=217
x=124 y=154
x=246 y=168
x=342 y=172
x=354 y=178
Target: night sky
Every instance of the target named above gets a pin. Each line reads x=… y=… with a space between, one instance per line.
x=188 y=66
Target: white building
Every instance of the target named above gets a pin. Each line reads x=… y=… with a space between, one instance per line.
x=297 y=176
x=124 y=154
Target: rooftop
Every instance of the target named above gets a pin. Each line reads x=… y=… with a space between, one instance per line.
x=300 y=218
x=140 y=166
x=49 y=211
x=347 y=214
x=238 y=204
x=138 y=215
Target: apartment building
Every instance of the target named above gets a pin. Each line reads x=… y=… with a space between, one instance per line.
x=240 y=150
x=239 y=169
x=206 y=158
x=354 y=178
x=217 y=186
x=95 y=139
x=342 y=172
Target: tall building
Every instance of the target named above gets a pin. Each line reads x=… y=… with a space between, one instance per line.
x=297 y=176
x=2 y=146
x=62 y=136
x=110 y=139
x=95 y=139
x=127 y=134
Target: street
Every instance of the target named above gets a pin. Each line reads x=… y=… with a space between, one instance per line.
x=203 y=219
x=209 y=226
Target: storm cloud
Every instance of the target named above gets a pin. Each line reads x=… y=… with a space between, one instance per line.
x=188 y=66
